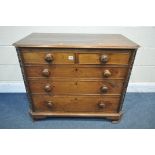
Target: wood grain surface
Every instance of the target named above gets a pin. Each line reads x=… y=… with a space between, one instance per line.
x=75 y=104
x=71 y=56
x=71 y=86
x=73 y=71
x=76 y=41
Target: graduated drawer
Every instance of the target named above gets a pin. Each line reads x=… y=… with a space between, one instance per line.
x=73 y=71
x=70 y=86
x=73 y=56
x=45 y=103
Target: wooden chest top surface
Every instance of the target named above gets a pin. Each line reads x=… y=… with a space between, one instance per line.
x=64 y=40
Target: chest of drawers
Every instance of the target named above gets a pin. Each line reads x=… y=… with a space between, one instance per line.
x=76 y=75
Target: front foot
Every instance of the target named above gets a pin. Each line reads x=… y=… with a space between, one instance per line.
x=36 y=117
x=115 y=119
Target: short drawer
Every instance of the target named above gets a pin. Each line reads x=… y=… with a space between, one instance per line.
x=76 y=87
x=44 y=56
x=55 y=71
x=104 y=58
x=45 y=103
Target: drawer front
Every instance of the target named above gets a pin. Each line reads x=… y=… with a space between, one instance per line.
x=76 y=87
x=72 y=71
x=45 y=103
x=68 y=56
x=48 y=57
x=104 y=58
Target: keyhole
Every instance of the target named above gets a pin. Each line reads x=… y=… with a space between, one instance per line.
x=76 y=69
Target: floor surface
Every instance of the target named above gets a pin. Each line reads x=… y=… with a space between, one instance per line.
x=139 y=113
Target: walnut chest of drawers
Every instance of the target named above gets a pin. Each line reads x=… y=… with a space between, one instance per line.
x=76 y=75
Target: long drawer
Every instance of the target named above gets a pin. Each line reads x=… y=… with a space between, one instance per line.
x=75 y=71
x=70 y=86
x=46 y=103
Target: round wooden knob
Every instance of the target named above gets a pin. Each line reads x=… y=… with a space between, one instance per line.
x=49 y=58
x=48 y=88
x=46 y=72
x=104 y=58
x=107 y=73
x=49 y=103
x=101 y=104
x=104 y=89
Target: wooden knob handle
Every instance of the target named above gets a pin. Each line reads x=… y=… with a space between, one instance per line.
x=101 y=104
x=106 y=73
x=48 y=88
x=104 y=89
x=104 y=58
x=49 y=58
x=46 y=72
x=49 y=103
